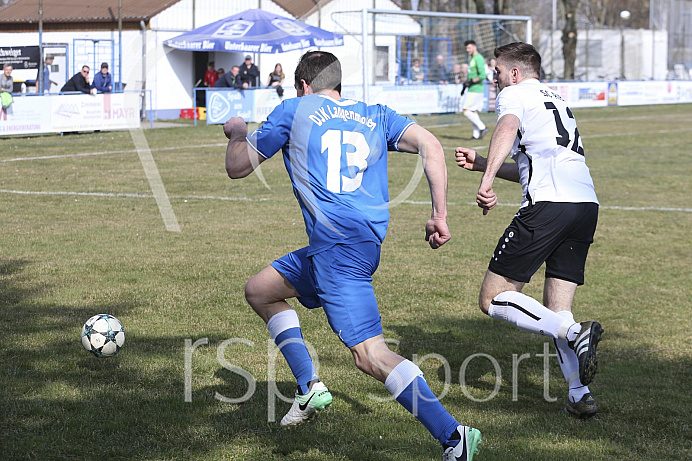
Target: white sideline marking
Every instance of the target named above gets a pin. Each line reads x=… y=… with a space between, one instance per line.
x=250 y=199
x=108 y=152
x=133 y=195
x=155 y=182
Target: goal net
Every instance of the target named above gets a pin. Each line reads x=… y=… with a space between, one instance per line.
x=384 y=45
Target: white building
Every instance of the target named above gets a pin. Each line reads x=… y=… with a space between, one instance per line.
x=78 y=34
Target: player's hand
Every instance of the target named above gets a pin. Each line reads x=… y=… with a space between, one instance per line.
x=469 y=159
x=437 y=233
x=235 y=127
x=486 y=198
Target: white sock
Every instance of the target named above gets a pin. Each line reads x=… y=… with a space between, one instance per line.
x=401 y=376
x=281 y=322
x=570 y=364
x=475 y=119
x=529 y=315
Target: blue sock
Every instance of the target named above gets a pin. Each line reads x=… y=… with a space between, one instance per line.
x=293 y=348
x=408 y=386
x=284 y=329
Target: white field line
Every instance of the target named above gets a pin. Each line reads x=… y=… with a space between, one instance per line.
x=250 y=199
x=109 y=152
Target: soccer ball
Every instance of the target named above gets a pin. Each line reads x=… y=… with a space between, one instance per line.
x=103 y=335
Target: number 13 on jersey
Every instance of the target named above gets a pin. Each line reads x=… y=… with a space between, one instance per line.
x=334 y=142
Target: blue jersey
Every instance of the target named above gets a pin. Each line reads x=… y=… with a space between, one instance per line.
x=335 y=153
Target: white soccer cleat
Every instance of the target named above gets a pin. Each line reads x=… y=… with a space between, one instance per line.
x=306 y=406
x=469 y=439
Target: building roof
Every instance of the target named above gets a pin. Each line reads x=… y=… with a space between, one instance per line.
x=300 y=8
x=79 y=11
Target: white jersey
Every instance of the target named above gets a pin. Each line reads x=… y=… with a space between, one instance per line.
x=548 y=148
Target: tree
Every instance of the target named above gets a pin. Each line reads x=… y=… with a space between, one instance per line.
x=569 y=37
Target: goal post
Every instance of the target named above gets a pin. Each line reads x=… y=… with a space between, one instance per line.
x=384 y=43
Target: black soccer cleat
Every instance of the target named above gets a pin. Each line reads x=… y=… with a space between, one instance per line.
x=584 y=346
x=583 y=409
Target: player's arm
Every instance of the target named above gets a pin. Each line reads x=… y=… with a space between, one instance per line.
x=471 y=160
x=241 y=158
x=500 y=146
x=418 y=140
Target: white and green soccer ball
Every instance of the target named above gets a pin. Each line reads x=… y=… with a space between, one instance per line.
x=103 y=335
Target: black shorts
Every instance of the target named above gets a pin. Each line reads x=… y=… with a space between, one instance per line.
x=558 y=234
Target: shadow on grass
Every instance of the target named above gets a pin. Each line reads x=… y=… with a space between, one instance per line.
x=59 y=402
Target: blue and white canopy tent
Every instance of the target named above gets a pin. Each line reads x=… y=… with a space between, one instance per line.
x=255 y=31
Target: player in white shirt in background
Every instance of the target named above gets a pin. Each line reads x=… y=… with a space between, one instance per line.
x=555 y=223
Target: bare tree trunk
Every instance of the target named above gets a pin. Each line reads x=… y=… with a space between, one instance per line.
x=569 y=37
x=480 y=6
x=501 y=7
x=406 y=5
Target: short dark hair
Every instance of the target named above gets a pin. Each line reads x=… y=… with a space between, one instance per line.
x=469 y=42
x=521 y=55
x=320 y=69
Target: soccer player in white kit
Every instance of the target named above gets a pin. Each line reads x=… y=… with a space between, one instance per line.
x=555 y=223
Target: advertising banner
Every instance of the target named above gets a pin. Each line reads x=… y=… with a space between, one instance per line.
x=73 y=112
x=582 y=94
x=20 y=57
x=252 y=105
x=26 y=115
x=641 y=92
x=224 y=104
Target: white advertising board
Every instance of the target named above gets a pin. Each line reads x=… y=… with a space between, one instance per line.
x=73 y=112
x=26 y=115
x=582 y=94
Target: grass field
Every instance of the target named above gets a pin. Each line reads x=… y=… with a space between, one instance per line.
x=83 y=235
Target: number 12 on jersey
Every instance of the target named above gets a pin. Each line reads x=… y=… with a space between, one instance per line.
x=333 y=142
x=563 y=138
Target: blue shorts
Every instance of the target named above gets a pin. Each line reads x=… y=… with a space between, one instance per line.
x=338 y=279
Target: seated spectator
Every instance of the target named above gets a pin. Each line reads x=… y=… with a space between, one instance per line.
x=416 y=74
x=230 y=80
x=438 y=72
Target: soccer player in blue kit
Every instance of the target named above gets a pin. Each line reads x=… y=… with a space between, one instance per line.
x=335 y=152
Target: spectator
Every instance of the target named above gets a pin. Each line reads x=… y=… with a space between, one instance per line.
x=210 y=76
x=276 y=79
x=490 y=69
x=46 y=75
x=416 y=74
x=460 y=73
x=103 y=83
x=249 y=73
x=230 y=80
x=78 y=82
x=6 y=80
x=438 y=72
x=6 y=87
x=219 y=73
